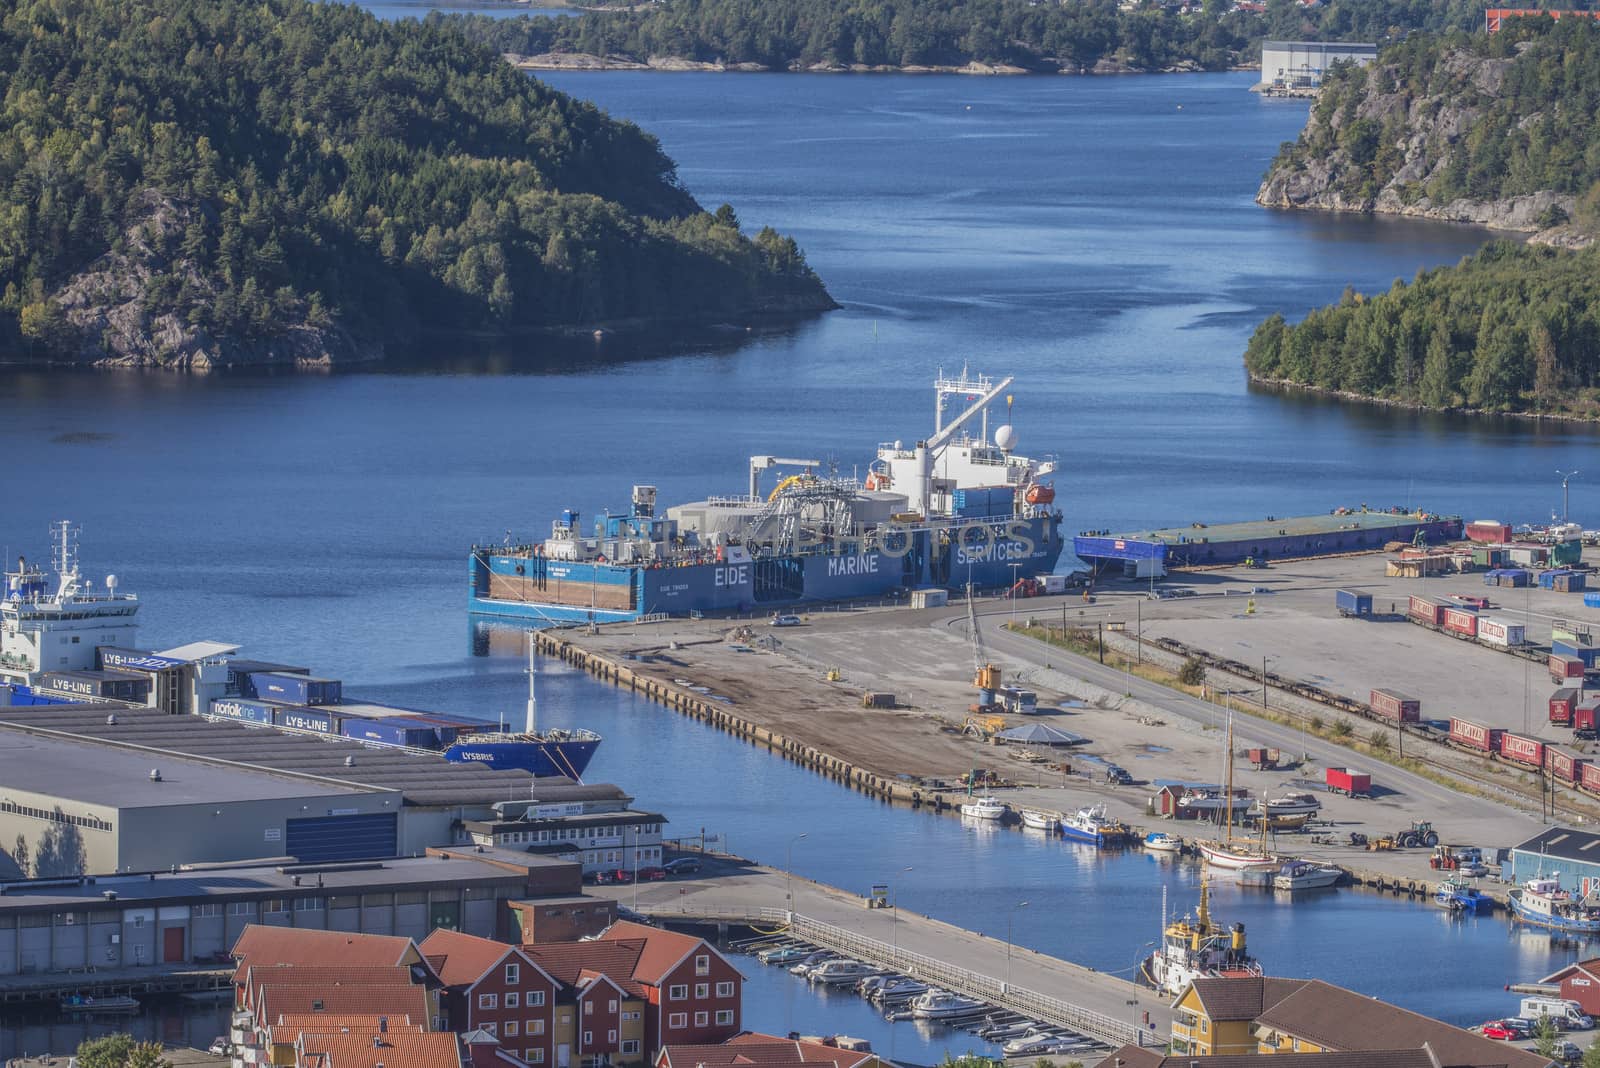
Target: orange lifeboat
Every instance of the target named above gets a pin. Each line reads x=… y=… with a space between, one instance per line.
x=1040 y=494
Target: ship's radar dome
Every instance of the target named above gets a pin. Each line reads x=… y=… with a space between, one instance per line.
x=111 y=583
x=1006 y=437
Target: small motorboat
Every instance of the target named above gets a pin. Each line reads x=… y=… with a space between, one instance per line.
x=943 y=1005
x=1304 y=875
x=784 y=954
x=841 y=972
x=888 y=988
x=1039 y=821
x=811 y=961
x=1038 y=1043
x=88 y=1005
x=1458 y=895
x=985 y=808
x=1093 y=825
x=1162 y=842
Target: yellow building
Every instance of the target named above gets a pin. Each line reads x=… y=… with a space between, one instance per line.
x=1216 y=1017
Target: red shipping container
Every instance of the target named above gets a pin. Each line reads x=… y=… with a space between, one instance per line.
x=1589 y=777
x=1522 y=750
x=1474 y=736
x=1488 y=531
x=1348 y=781
x=1461 y=621
x=1391 y=705
x=1563 y=764
x=1564 y=667
x=1425 y=610
x=1585 y=713
x=1562 y=704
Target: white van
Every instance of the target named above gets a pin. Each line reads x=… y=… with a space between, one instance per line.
x=1567 y=1014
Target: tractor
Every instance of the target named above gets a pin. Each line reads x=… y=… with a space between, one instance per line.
x=1421 y=833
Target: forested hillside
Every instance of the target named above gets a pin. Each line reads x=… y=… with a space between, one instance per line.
x=1084 y=34
x=1514 y=328
x=203 y=182
x=1500 y=129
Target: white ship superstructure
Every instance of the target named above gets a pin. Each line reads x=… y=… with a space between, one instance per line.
x=56 y=623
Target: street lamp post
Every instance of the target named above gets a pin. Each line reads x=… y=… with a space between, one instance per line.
x=1010 y=915
x=788 y=871
x=1264 y=660
x=1566 y=476
x=894 y=911
x=1013 y=595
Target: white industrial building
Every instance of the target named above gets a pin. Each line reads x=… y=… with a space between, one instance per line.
x=1301 y=64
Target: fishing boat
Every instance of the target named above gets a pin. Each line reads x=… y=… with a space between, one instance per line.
x=1306 y=875
x=1287 y=813
x=815 y=959
x=1162 y=842
x=1458 y=895
x=985 y=808
x=1196 y=948
x=1542 y=903
x=1226 y=853
x=88 y=1005
x=943 y=1005
x=1038 y=821
x=1093 y=825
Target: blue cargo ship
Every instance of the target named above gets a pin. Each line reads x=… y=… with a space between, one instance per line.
x=64 y=642
x=959 y=508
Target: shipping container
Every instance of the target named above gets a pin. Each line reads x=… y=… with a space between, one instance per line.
x=1591 y=600
x=934 y=598
x=1052 y=583
x=1562 y=704
x=239 y=672
x=317 y=720
x=1500 y=632
x=1475 y=736
x=1547 y=579
x=1571 y=582
x=1395 y=706
x=1348 y=781
x=1563 y=764
x=294 y=689
x=1512 y=576
x=1521 y=750
x=1351 y=603
x=1462 y=621
x=1527 y=555
x=93 y=685
x=1488 y=531
x=391 y=732
x=244 y=708
x=1586 y=713
x=1563 y=668
x=1427 y=611
x=1589 y=778
x=1577 y=649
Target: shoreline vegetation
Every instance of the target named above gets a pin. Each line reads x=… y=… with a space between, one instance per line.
x=292 y=184
x=1499 y=130
x=942 y=36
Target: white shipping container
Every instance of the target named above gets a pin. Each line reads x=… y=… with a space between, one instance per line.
x=1053 y=583
x=930 y=598
x=1499 y=632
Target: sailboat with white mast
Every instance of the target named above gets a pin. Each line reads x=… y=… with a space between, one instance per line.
x=1228 y=854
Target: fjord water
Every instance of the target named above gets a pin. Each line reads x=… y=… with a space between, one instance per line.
x=1094 y=237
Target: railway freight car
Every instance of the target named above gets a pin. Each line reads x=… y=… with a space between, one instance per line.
x=1462 y=622
x=1475 y=736
x=1564 y=765
x=1425 y=611
x=1390 y=705
x=1520 y=749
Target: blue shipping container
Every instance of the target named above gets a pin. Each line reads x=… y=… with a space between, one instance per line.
x=244 y=709
x=1589 y=654
x=391 y=732
x=1547 y=579
x=305 y=719
x=1351 y=603
x=1591 y=600
x=294 y=689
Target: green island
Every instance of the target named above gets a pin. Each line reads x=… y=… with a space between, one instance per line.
x=210 y=183
x=978 y=36
x=1500 y=130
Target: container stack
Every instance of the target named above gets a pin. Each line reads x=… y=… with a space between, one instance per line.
x=1512 y=577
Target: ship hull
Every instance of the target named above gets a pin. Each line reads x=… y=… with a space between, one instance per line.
x=1539 y=918
x=1232 y=860
x=532 y=587
x=566 y=758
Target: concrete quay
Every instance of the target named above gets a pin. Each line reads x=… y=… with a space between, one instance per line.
x=732 y=893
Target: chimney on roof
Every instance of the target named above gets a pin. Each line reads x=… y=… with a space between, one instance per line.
x=383 y=1025
x=377 y=1041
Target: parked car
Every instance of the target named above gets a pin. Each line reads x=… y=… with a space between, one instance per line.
x=1568 y=1052
x=652 y=874
x=682 y=866
x=1498 y=1029
x=785 y=621
x=621 y=875
x=220 y=1047
x=1520 y=1026
x=605 y=877
x=1118 y=776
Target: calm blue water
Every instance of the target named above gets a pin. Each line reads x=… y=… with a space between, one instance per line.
x=1087 y=235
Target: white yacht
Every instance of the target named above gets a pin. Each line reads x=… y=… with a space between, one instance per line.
x=942 y=1005
x=985 y=808
x=1039 y=821
x=1305 y=875
x=840 y=972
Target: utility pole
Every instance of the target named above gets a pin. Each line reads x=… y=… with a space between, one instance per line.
x=1138 y=633
x=1263 y=684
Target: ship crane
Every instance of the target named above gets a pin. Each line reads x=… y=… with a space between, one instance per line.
x=922 y=492
x=759 y=464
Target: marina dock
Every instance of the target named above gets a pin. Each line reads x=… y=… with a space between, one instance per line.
x=1034 y=984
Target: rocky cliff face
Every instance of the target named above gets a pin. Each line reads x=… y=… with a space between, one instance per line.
x=111 y=319
x=1377 y=148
